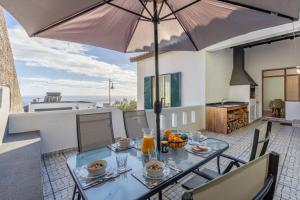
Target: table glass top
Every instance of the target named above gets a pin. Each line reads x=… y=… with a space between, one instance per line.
x=126 y=186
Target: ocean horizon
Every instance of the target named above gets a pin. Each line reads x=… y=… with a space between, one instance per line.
x=97 y=99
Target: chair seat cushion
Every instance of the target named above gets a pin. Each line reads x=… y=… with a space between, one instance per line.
x=197 y=180
x=194 y=182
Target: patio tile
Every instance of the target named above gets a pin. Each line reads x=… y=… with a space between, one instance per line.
x=70 y=153
x=57 y=166
x=49 y=197
x=65 y=194
x=62 y=183
x=58 y=174
x=47 y=189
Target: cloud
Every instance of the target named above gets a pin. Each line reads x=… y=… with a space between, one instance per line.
x=69 y=57
x=32 y=86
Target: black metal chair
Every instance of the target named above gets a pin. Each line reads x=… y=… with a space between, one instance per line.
x=259 y=147
x=134 y=122
x=94 y=131
x=255 y=180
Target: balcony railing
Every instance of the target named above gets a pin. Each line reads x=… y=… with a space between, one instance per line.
x=58 y=128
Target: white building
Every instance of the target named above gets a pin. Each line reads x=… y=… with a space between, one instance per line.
x=206 y=74
x=52 y=102
x=63 y=105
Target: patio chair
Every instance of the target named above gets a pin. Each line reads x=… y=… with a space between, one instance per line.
x=277 y=106
x=256 y=180
x=94 y=131
x=259 y=147
x=134 y=122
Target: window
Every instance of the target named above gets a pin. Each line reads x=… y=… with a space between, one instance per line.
x=291 y=82
x=169 y=91
x=164 y=90
x=292 y=88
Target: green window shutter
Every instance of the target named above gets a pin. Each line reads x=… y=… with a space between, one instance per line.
x=176 y=89
x=148 y=93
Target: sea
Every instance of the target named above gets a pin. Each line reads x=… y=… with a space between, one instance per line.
x=97 y=99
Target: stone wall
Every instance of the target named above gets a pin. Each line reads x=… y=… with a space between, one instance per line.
x=8 y=76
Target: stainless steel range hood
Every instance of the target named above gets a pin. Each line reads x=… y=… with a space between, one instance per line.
x=239 y=75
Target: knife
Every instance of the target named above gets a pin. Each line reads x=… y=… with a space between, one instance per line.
x=99 y=181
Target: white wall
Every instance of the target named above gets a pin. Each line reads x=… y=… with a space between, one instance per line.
x=270 y=56
x=192 y=68
x=4 y=110
x=58 y=128
x=219 y=67
x=194 y=118
x=292 y=110
x=239 y=93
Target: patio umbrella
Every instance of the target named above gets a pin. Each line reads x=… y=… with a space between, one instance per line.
x=149 y=25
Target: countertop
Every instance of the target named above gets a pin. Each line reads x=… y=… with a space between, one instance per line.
x=227 y=104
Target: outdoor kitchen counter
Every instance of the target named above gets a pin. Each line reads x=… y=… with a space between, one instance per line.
x=226 y=118
x=227 y=104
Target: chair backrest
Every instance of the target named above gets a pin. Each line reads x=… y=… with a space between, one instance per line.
x=255 y=180
x=277 y=103
x=134 y=122
x=261 y=140
x=94 y=131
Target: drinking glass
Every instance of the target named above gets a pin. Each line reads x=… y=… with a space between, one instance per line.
x=191 y=138
x=121 y=159
x=137 y=142
x=152 y=155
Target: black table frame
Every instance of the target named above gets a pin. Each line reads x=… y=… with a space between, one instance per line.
x=160 y=187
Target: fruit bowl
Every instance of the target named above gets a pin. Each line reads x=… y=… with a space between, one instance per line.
x=175 y=139
x=177 y=144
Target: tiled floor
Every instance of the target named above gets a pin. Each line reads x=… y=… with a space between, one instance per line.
x=285 y=140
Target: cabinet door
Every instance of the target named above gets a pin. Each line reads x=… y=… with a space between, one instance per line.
x=221 y=121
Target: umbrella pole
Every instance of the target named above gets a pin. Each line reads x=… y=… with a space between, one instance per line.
x=157 y=104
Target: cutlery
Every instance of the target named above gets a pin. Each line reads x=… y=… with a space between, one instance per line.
x=175 y=168
x=108 y=177
x=99 y=181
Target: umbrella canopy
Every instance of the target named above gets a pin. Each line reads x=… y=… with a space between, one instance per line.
x=149 y=25
x=102 y=23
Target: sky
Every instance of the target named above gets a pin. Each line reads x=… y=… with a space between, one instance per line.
x=45 y=65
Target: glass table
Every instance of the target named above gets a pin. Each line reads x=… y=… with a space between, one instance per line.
x=127 y=187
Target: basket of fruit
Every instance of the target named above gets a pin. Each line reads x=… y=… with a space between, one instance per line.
x=175 y=139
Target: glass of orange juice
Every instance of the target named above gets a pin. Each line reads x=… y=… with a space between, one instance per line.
x=148 y=143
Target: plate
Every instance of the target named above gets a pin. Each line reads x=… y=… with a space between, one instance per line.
x=83 y=172
x=201 y=152
x=166 y=173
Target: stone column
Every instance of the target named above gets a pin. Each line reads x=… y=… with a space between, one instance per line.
x=8 y=76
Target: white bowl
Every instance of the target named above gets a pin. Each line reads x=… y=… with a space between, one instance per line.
x=124 y=142
x=97 y=168
x=152 y=172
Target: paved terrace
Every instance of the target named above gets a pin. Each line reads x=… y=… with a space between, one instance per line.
x=58 y=184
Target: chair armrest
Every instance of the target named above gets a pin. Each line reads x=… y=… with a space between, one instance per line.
x=265 y=189
x=233 y=158
x=204 y=175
